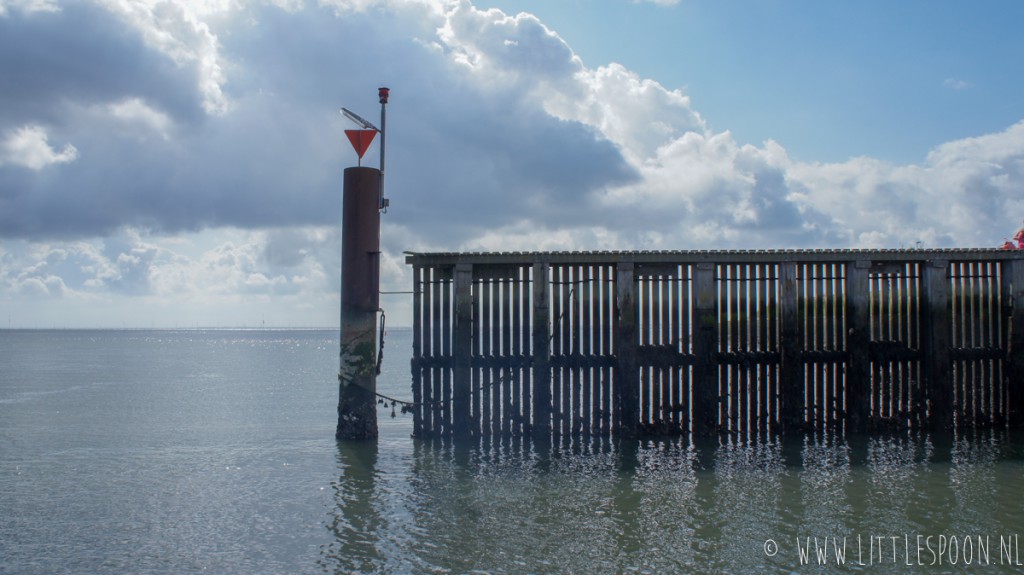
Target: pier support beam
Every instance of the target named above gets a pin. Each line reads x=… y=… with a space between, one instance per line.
x=541 y=362
x=792 y=386
x=1014 y=372
x=858 y=338
x=360 y=301
x=936 y=341
x=627 y=384
x=705 y=345
x=463 y=351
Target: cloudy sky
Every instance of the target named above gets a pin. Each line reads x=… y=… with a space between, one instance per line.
x=178 y=163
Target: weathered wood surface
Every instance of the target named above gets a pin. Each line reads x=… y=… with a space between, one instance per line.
x=739 y=342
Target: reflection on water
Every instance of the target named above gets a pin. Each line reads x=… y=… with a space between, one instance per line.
x=214 y=452
x=667 y=506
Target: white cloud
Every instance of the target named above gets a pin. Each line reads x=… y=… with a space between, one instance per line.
x=176 y=28
x=136 y=113
x=211 y=163
x=28 y=146
x=965 y=194
x=956 y=84
x=230 y=269
x=28 y=6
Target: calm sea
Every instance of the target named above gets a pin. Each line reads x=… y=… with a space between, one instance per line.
x=213 y=451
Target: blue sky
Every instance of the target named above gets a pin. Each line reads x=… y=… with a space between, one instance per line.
x=829 y=80
x=178 y=163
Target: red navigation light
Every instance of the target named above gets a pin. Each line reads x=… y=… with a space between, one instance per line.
x=383 y=93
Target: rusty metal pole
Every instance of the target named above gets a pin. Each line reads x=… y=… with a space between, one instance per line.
x=360 y=301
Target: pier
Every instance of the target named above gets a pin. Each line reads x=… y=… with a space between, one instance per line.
x=708 y=342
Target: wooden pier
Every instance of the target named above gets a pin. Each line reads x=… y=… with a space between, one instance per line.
x=707 y=342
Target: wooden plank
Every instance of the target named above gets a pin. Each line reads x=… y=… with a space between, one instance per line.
x=936 y=343
x=627 y=405
x=730 y=343
x=607 y=336
x=463 y=350
x=497 y=375
x=557 y=318
x=526 y=372
x=517 y=347
x=586 y=327
x=435 y=414
x=541 y=346
x=791 y=390
x=447 y=337
x=566 y=327
x=820 y=371
x=898 y=256
x=773 y=333
x=684 y=334
x=705 y=345
x=428 y=350
x=913 y=319
x=483 y=335
x=507 y=415
x=650 y=383
x=745 y=317
x=668 y=400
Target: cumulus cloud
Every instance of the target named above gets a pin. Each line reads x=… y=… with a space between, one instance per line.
x=175 y=30
x=198 y=272
x=130 y=130
x=28 y=146
x=28 y=6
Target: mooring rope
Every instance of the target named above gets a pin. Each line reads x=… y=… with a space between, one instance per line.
x=380 y=348
x=409 y=406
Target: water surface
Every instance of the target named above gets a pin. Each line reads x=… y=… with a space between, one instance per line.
x=213 y=451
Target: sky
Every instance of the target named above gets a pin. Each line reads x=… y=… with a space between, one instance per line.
x=179 y=163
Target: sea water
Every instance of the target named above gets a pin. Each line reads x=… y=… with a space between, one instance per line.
x=213 y=451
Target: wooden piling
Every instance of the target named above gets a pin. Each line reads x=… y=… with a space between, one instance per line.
x=705 y=346
x=462 y=349
x=1014 y=270
x=858 y=336
x=627 y=406
x=936 y=343
x=792 y=392
x=541 y=357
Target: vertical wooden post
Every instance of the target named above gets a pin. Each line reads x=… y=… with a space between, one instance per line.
x=705 y=346
x=541 y=324
x=360 y=301
x=627 y=407
x=462 y=349
x=417 y=350
x=791 y=384
x=936 y=343
x=858 y=337
x=1014 y=372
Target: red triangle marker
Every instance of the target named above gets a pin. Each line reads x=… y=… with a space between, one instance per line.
x=361 y=140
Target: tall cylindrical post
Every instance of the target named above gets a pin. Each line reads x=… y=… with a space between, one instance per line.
x=383 y=94
x=360 y=301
